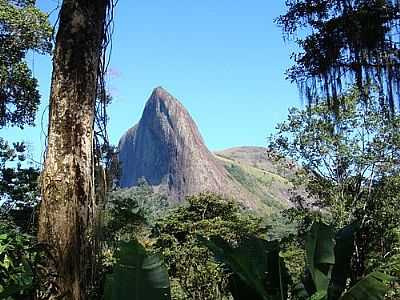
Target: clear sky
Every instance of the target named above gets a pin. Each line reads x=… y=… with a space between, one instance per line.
x=224 y=60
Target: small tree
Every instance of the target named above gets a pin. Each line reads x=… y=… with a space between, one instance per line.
x=23 y=28
x=344 y=155
x=194 y=274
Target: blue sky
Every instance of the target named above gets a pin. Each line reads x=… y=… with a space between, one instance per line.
x=224 y=60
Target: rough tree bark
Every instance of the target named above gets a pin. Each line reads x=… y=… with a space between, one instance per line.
x=68 y=178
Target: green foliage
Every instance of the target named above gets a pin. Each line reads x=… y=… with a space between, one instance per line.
x=18 y=185
x=22 y=28
x=128 y=215
x=19 y=191
x=328 y=259
x=256 y=264
x=389 y=262
x=137 y=275
x=372 y=286
x=320 y=255
x=18 y=261
x=293 y=256
x=130 y=211
x=278 y=226
x=261 y=268
x=191 y=266
x=344 y=254
x=328 y=262
x=350 y=162
x=344 y=155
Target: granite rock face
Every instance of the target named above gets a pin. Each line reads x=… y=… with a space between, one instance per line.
x=166 y=149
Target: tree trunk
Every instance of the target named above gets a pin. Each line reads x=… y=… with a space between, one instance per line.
x=67 y=205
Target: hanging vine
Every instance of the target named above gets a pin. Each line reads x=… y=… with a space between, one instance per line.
x=103 y=151
x=344 y=43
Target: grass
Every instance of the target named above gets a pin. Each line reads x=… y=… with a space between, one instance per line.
x=266 y=186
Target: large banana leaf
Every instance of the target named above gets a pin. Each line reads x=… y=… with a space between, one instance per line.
x=329 y=263
x=320 y=254
x=259 y=271
x=374 y=286
x=344 y=249
x=137 y=276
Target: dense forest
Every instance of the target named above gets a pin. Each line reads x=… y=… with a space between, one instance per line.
x=68 y=231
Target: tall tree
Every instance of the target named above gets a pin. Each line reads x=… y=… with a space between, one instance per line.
x=350 y=162
x=344 y=42
x=67 y=206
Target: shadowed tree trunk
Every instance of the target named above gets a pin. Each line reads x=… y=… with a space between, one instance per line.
x=67 y=207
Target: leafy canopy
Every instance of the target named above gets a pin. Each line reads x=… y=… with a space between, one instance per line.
x=350 y=161
x=344 y=154
x=23 y=28
x=193 y=271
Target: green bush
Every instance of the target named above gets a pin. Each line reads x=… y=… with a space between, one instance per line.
x=18 y=260
x=130 y=213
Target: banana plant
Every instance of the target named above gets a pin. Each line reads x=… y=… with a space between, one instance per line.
x=328 y=262
x=137 y=275
x=259 y=272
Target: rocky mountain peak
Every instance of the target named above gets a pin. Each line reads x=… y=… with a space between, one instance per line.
x=161 y=97
x=166 y=149
x=160 y=93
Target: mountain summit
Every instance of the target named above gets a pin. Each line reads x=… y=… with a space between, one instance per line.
x=166 y=149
